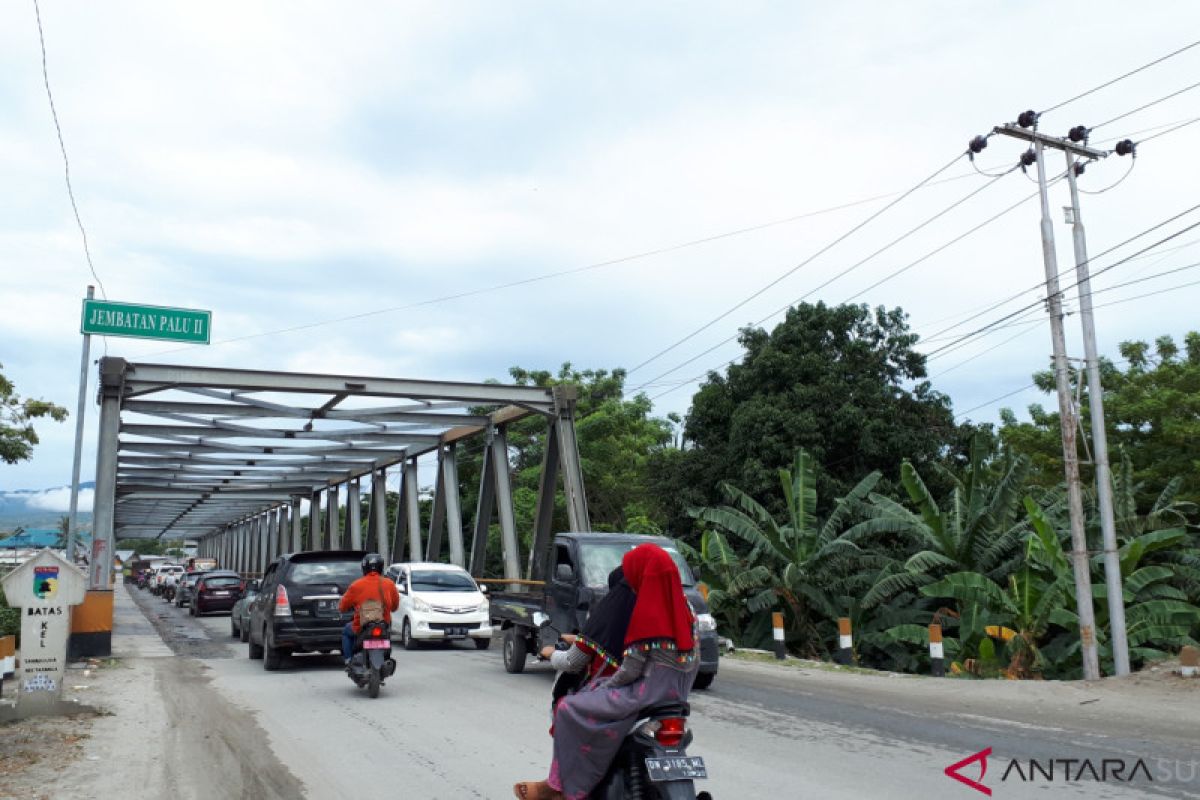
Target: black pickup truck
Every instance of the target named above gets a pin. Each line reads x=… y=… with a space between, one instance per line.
x=577 y=569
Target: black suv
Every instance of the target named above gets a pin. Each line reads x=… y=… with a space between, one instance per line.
x=296 y=610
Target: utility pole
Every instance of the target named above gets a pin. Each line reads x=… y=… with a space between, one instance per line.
x=1112 y=562
x=1066 y=410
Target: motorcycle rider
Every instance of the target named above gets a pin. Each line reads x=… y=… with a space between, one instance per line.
x=371 y=588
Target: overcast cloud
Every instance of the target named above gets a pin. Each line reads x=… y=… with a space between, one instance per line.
x=285 y=164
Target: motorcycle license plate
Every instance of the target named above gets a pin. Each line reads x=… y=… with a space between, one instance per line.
x=376 y=644
x=676 y=769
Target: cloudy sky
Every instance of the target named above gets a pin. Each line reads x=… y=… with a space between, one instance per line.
x=289 y=165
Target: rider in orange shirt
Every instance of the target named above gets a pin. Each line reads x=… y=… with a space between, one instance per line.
x=371 y=586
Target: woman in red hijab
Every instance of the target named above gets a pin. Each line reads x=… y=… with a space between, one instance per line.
x=659 y=665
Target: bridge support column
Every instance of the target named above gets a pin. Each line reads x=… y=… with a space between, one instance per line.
x=354 y=513
x=297 y=532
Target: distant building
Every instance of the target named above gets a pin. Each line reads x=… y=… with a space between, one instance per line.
x=30 y=538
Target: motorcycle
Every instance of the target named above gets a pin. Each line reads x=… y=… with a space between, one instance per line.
x=168 y=593
x=652 y=763
x=372 y=660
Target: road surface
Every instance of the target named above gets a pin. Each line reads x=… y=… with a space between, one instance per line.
x=453 y=724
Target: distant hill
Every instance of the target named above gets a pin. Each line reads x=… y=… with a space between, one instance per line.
x=42 y=508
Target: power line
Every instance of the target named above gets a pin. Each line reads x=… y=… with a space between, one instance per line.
x=576 y=270
x=1170 y=130
x=802 y=264
x=981 y=353
x=994 y=400
x=1132 y=72
x=860 y=263
x=1149 y=294
x=1061 y=291
x=960 y=341
x=1147 y=105
x=1062 y=272
x=63 y=147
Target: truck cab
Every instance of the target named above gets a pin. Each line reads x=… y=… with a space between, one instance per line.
x=575 y=571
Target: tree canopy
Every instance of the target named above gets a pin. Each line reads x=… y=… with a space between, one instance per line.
x=841 y=382
x=1152 y=413
x=17 y=436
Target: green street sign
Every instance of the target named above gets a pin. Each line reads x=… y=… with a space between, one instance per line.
x=146 y=322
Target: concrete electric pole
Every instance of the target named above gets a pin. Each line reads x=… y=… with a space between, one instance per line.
x=1112 y=561
x=1079 y=550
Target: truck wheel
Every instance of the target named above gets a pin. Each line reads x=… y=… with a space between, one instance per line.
x=703 y=680
x=514 y=651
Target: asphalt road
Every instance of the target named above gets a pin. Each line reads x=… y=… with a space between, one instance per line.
x=453 y=724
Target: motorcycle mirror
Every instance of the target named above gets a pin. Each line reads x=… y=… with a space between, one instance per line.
x=540 y=619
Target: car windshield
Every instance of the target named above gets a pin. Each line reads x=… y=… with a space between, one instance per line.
x=599 y=559
x=325 y=572
x=442 y=580
x=221 y=581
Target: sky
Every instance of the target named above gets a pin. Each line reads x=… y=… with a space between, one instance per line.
x=289 y=165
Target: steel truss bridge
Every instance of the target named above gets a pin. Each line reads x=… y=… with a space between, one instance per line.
x=227 y=456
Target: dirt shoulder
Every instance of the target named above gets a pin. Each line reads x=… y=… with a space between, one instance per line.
x=1155 y=704
x=159 y=731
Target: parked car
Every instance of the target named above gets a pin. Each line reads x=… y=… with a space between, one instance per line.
x=577 y=569
x=239 y=617
x=439 y=602
x=296 y=610
x=218 y=590
x=186 y=587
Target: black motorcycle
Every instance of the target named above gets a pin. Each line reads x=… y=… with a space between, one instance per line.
x=652 y=763
x=372 y=660
x=653 y=760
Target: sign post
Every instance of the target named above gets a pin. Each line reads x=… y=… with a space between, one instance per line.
x=44 y=588
x=80 y=410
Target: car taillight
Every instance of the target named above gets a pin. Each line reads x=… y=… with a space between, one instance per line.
x=670 y=731
x=283 y=606
x=377 y=631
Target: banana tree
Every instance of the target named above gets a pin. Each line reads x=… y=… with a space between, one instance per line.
x=979 y=530
x=798 y=565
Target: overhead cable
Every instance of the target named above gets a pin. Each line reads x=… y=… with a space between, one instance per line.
x=858 y=264
x=799 y=266
x=1132 y=72
x=63 y=148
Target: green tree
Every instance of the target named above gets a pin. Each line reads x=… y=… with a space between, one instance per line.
x=1152 y=413
x=616 y=437
x=64 y=529
x=844 y=383
x=17 y=436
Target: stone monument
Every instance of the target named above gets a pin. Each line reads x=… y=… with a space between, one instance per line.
x=44 y=588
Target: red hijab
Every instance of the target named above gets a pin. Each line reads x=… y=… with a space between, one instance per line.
x=661 y=610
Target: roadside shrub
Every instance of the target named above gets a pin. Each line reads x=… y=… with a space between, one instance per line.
x=10 y=618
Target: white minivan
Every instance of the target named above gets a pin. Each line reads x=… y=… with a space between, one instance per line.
x=438 y=602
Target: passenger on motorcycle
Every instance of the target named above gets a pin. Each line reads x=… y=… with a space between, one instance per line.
x=659 y=664
x=372 y=597
x=597 y=651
